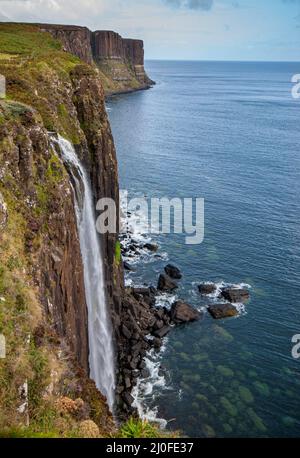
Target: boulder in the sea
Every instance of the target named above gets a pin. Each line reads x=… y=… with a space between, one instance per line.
x=128 y=398
x=219 y=311
x=128 y=266
x=173 y=272
x=165 y=283
x=151 y=247
x=181 y=312
x=207 y=288
x=235 y=295
x=160 y=333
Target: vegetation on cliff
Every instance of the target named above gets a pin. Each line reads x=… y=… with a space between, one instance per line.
x=42 y=365
x=44 y=387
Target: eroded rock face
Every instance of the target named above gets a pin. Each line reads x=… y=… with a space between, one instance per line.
x=57 y=267
x=75 y=40
x=107 y=45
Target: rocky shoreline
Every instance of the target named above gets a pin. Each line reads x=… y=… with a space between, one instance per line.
x=144 y=323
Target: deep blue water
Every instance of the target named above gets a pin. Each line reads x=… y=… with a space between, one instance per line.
x=227 y=132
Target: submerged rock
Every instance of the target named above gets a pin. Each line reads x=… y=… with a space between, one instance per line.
x=151 y=247
x=128 y=267
x=165 y=283
x=173 y=272
x=207 y=288
x=235 y=294
x=182 y=312
x=219 y=311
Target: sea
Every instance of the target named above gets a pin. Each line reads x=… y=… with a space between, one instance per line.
x=228 y=133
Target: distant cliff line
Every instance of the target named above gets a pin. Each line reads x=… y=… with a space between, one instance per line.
x=121 y=60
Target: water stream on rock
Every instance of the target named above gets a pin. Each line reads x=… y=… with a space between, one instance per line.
x=101 y=357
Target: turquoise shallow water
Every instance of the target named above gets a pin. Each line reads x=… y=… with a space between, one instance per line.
x=227 y=132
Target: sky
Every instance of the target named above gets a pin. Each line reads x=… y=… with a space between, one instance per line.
x=180 y=29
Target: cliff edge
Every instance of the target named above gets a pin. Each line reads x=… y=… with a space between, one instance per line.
x=121 y=61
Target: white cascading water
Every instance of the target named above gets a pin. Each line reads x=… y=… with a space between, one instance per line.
x=101 y=350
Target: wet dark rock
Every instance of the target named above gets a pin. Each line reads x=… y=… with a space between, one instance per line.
x=160 y=333
x=145 y=294
x=145 y=373
x=160 y=313
x=158 y=324
x=235 y=295
x=128 y=398
x=182 y=312
x=219 y=311
x=128 y=267
x=207 y=288
x=151 y=247
x=165 y=283
x=173 y=272
x=157 y=343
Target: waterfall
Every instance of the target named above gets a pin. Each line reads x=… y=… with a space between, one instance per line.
x=101 y=351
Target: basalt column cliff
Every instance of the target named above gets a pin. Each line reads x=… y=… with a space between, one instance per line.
x=121 y=61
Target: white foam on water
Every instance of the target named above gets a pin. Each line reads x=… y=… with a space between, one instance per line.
x=220 y=285
x=165 y=300
x=145 y=389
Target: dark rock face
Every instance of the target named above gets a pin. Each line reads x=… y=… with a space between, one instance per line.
x=107 y=45
x=184 y=313
x=207 y=288
x=173 y=272
x=219 y=311
x=134 y=51
x=145 y=294
x=165 y=283
x=139 y=320
x=235 y=294
x=58 y=269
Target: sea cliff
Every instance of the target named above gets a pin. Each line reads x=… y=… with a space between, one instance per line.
x=121 y=61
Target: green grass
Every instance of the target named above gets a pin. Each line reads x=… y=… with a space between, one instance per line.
x=118 y=255
x=24 y=40
x=136 y=428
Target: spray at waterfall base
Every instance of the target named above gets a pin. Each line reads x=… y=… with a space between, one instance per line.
x=154 y=216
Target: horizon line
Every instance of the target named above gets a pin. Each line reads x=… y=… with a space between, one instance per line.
x=224 y=60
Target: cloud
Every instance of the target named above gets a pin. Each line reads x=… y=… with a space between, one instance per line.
x=204 y=5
